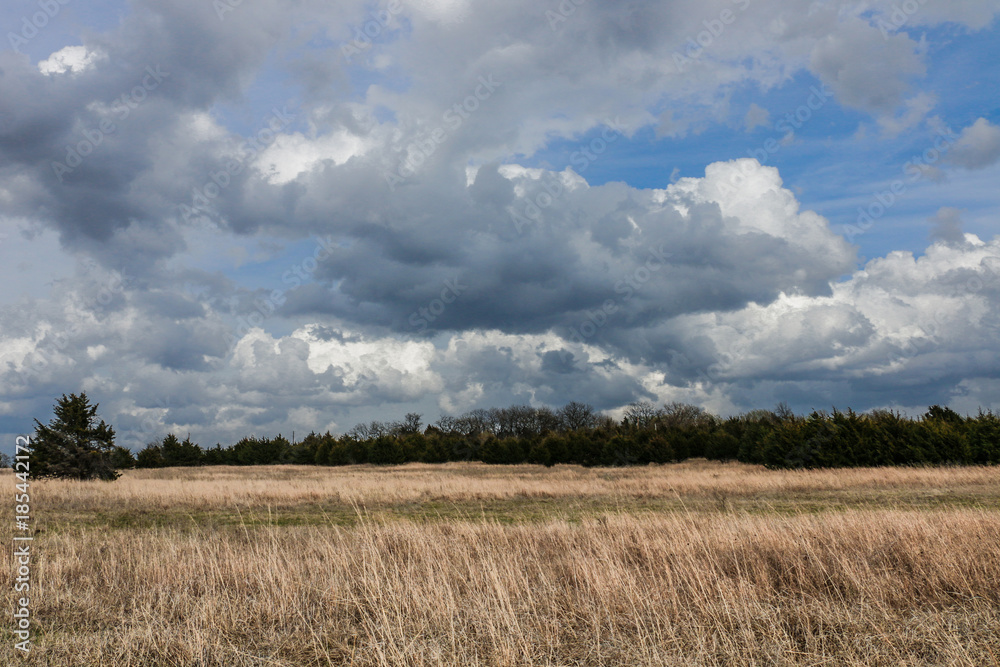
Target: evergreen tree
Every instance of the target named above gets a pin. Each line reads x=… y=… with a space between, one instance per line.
x=151 y=456
x=75 y=444
x=122 y=457
x=178 y=453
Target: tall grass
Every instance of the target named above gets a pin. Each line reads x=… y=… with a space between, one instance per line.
x=860 y=587
x=225 y=486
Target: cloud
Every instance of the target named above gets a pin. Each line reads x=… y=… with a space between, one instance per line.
x=973 y=14
x=904 y=330
x=670 y=125
x=978 y=146
x=72 y=59
x=947 y=226
x=603 y=62
x=535 y=250
x=756 y=117
x=915 y=110
x=866 y=70
x=132 y=89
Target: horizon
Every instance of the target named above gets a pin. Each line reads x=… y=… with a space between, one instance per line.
x=222 y=219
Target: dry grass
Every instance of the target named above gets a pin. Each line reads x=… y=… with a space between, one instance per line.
x=702 y=582
x=471 y=486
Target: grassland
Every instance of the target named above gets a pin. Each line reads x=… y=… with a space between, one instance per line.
x=465 y=564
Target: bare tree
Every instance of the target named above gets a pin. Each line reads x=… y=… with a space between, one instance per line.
x=575 y=416
x=474 y=421
x=783 y=412
x=641 y=415
x=410 y=424
x=546 y=420
x=684 y=415
x=371 y=431
x=446 y=424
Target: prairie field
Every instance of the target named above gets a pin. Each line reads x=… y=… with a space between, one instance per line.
x=695 y=563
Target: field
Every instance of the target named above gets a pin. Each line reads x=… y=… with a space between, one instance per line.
x=466 y=564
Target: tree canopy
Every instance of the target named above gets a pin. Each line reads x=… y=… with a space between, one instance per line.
x=577 y=434
x=75 y=444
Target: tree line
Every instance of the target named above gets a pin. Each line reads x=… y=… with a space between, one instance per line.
x=77 y=444
x=646 y=434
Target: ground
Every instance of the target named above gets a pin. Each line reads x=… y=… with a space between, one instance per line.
x=467 y=564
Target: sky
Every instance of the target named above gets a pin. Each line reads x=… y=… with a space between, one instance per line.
x=234 y=217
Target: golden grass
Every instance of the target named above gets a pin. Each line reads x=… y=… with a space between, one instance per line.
x=289 y=486
x=699 y=584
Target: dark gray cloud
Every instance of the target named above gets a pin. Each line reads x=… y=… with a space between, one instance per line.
x=644 y=255
x=92 y=143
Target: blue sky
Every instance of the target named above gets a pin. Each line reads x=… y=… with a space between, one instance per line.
x=724 y=239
